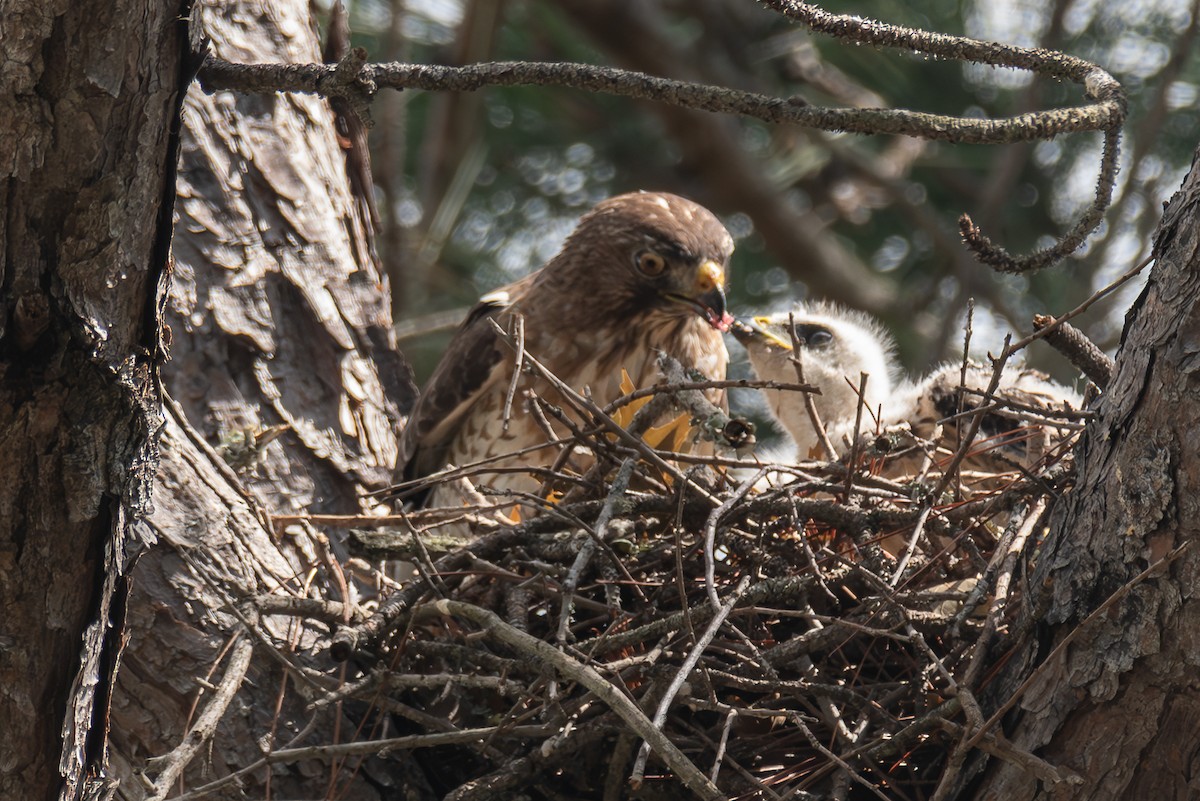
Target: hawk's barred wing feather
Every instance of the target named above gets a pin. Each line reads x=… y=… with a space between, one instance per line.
x=465 y=373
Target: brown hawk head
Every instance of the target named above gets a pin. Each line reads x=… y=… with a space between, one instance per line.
x=641 y=272
x=641 y=254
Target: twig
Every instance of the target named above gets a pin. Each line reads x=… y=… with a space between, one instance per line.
x=810 y=405
x=318 y=608
x=572 y=670
x=571 y=583
x=202 y=730
x=1001 y=748
x=1000 y=259
x=721 y=744
x=685 y=670
x=911 y=547
x=710 y=535
x=672 y=387
x=352 y=638
x=1079 y=350
x=1082 y=307
x=834 y=758
x=777 y=588
x=852 y=460
x=1008 y=553
x=968 y=331
x=1096 y=82
x=518 y=363
x=217 y=75
x=973 y=430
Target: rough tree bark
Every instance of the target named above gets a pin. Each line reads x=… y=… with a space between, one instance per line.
x=87 y=93
x=280 y=317
x=1119 y=705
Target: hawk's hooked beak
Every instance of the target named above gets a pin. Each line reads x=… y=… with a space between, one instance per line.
x=707 y=295
x=758 y=331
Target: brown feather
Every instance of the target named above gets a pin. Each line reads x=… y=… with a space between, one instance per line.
x=588 y=314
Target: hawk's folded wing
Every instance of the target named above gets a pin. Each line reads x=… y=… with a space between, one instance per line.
x=467 y=370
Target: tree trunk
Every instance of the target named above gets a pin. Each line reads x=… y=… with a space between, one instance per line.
x=281 y=323
x=1119 y=705
x=89 y=91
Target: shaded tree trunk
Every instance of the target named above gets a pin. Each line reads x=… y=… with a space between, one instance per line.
x=1118 y=705
x=89 y=90
x=281 y=323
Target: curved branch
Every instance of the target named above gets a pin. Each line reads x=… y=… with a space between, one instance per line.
x=358 y=82
x=217 y=75
x=1000 y=259
x=1097 y=84
x=1050 y=63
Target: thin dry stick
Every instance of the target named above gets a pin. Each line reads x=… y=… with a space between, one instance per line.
x=911 y=547
x=572 y=670
x=973 y=430
x=1007 y=566
x=852 y=462
x=685 y=670
x=206 y=790
x=1007 y=543
x=1082 y=307
x=810 y=405
x=1000 y=748
x=968 y=331
x=619 y=485
x=631 y=440
x=518 y=362
x=834 y=758
x=721 y=744
x=674 y=387
x=205 y=726
x=710 y=535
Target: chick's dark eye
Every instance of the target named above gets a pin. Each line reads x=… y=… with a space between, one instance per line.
x=650 y=263
x=819 y=338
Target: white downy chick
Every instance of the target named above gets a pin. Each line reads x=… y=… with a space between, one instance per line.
x=836 y=345
x=1018 y=433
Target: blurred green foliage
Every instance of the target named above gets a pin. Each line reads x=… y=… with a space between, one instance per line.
x=482 y=187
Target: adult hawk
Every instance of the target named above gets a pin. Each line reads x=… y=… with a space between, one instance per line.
x=641 y=272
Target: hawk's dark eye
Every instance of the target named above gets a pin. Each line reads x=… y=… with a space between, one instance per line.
x=650 y=263
x=819 y=338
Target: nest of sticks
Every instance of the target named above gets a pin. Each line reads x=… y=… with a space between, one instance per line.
x=678 y=626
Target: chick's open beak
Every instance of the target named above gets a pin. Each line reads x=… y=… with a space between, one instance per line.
x=758 y=330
